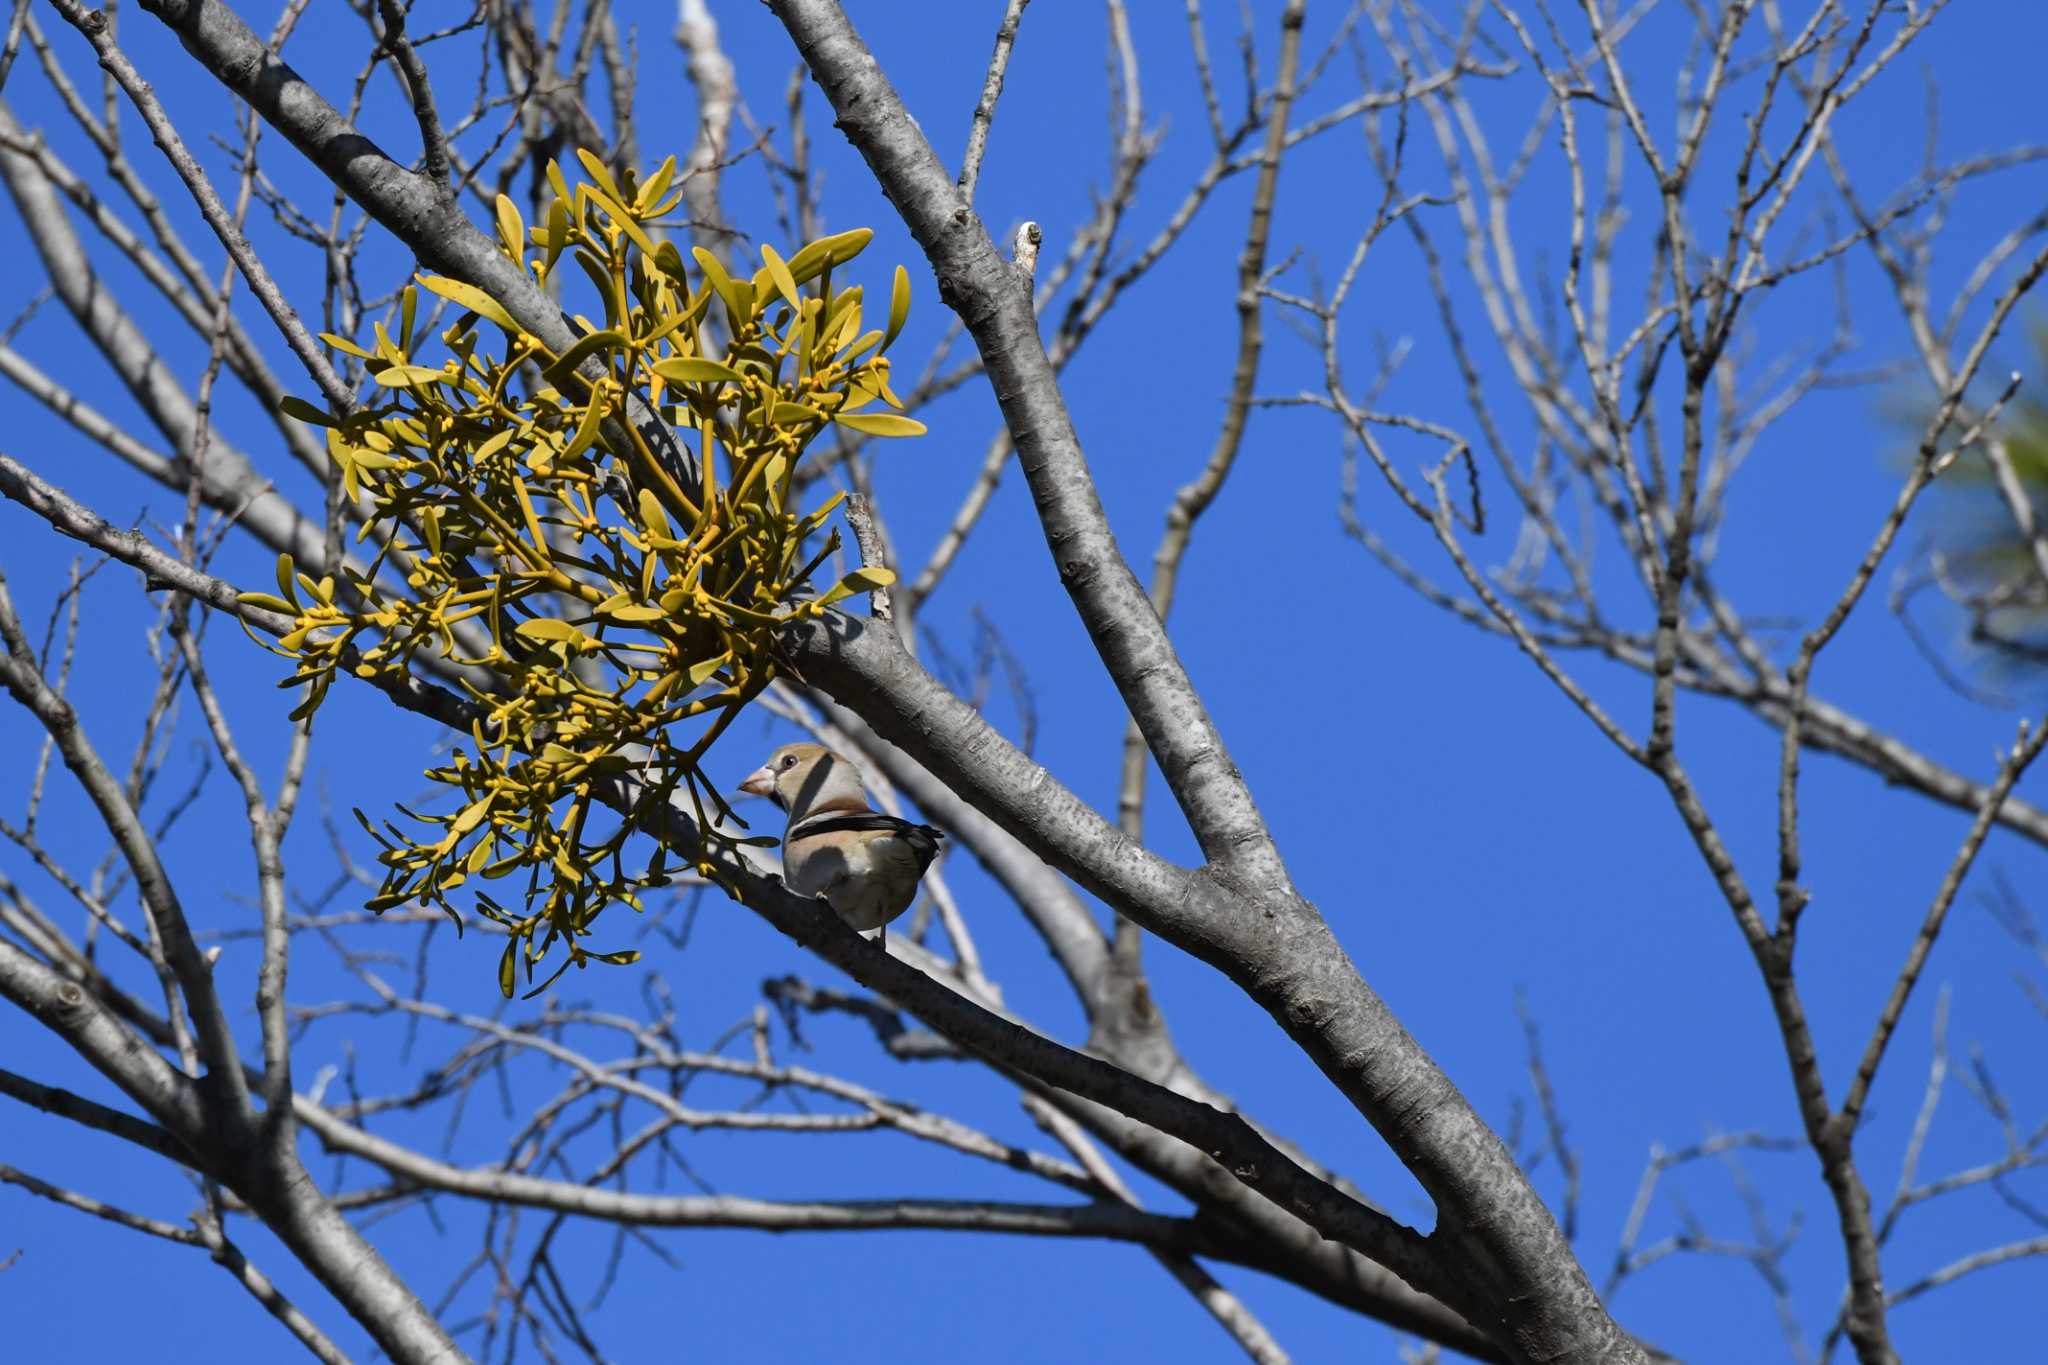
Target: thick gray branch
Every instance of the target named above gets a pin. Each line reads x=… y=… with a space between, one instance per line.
x=69 y=1011
x=994 y=300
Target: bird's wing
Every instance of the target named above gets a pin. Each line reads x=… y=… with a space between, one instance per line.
x=862 y=822
x=923 y=839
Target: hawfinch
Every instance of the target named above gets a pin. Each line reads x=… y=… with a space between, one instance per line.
x=862 y=863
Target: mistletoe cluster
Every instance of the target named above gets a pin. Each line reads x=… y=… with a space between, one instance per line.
x=602 y=540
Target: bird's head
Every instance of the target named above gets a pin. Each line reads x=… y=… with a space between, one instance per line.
x=805 y=777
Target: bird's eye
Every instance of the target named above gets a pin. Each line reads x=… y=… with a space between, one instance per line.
x=788 y=762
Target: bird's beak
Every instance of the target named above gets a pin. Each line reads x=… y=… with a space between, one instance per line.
x=760 y=783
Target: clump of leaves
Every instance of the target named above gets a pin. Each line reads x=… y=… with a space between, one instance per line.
x=1979 y=557
x=603 y=539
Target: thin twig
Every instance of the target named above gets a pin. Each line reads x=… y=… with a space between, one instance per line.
x=991 y=91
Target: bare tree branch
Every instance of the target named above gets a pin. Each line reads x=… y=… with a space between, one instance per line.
x=985 y=108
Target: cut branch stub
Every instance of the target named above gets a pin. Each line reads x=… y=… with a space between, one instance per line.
x=621 y=583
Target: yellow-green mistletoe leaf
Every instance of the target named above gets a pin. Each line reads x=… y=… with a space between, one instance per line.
x=899 y=306
x=555 y=632
x=609 y=339
x=696 y=370
x=511 y=229
x=640 y=614
x=700 y=673
x=865 y=579
x=779 y=276
x=652 y=188
x=294 y=406
x=737 y=295
x=407 y=376
x=470 y=297
x=880 y=424
x=827 y=252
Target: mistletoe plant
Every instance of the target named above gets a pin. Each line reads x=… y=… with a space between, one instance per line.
x=602 y=540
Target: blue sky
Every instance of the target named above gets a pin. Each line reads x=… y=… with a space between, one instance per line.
x=1465 y=831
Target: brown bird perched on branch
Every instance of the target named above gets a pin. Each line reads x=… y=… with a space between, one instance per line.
x=862 y=863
